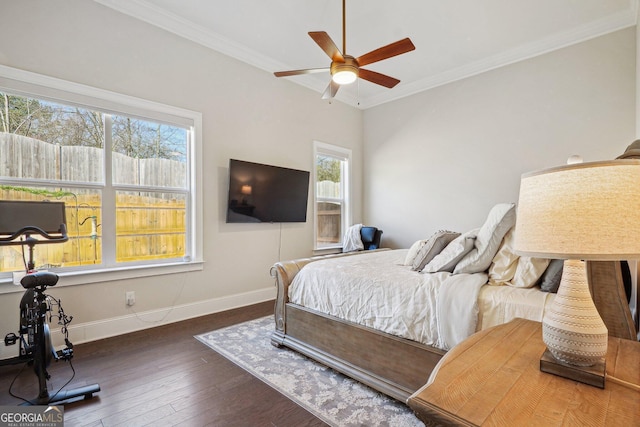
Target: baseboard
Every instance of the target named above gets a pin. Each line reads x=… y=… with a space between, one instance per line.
x=136 y=321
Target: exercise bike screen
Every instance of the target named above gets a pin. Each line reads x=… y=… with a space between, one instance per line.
x=47 y=216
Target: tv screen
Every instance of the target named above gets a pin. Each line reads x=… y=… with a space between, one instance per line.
x=265 y=193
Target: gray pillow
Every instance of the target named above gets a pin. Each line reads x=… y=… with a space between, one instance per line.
x=452 y=253
x=432 y=247
x=550 y=280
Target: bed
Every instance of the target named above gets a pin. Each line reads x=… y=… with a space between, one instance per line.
x=378 y=319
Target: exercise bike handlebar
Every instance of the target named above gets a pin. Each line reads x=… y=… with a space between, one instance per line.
x=29 y=230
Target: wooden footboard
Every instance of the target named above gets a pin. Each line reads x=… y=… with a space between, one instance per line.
x=394 y=366
x=284 y=272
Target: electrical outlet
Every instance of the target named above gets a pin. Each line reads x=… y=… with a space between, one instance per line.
x=130 y=298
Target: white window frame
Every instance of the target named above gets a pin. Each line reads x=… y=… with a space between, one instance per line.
x=28 y=84
x=344 y=154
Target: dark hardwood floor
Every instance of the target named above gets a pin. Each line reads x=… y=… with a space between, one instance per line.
x=164 y=377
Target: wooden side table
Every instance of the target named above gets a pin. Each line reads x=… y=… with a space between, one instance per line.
x=493 y=379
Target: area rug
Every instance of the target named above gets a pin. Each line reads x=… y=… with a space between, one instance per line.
x=327 y=394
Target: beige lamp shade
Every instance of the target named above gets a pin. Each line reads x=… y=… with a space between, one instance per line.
x=586 y=211
x=582 y=211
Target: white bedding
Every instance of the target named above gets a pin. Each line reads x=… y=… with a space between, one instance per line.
x=376 y=290
x=501 y=304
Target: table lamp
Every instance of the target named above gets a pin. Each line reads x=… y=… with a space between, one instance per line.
x=578 y=212
x=246 y=191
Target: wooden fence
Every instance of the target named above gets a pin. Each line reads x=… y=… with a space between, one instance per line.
x=329 y=224
x=148 y=225
x=22 y=157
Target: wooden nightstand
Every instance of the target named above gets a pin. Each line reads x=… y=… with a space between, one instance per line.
x=494 y=378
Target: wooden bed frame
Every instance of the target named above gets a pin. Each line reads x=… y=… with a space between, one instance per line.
x=396 y=366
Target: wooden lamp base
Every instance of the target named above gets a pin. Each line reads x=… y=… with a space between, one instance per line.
x=592 y=375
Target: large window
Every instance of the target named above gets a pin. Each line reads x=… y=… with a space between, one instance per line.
x=125 y=173
x=331 y=183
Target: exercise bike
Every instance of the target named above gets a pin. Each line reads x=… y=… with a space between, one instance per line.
x=34 y=338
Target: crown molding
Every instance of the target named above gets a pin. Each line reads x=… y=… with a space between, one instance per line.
x=144 y=11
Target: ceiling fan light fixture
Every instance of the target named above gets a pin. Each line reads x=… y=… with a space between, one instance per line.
x=345 y=77
x=344 y=73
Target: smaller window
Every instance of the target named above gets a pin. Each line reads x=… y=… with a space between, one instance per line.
x=331 y=194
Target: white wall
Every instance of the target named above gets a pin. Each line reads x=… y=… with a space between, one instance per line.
x=247 y=114
x=442 y=158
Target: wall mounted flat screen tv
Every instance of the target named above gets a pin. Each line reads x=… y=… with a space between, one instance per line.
x=266 y=193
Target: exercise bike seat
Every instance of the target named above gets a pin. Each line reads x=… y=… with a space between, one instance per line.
x=40 y=278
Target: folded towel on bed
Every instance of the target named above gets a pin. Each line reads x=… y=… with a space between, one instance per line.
x=457 y=308
x=352 y=240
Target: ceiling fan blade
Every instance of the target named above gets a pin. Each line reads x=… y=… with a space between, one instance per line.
x=379 y=79
x=299 y=72
x=331 y=90
x=324 y=41
x=388 y=51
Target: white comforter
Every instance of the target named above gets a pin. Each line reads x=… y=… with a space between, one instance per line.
x=376 y=290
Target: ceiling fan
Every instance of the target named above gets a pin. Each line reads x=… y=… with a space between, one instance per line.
x=345 y=69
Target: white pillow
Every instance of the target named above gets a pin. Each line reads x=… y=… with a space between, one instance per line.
x=413 y=251
x=452 y=253
x=501 y=219
x=529 y=271
x=504 y=264
x=433 y=247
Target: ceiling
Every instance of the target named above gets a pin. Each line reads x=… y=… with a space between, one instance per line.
x=454 y=39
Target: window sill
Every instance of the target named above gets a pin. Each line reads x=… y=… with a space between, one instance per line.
x=84 y=277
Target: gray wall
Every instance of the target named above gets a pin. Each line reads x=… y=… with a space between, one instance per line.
x=442 y=158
